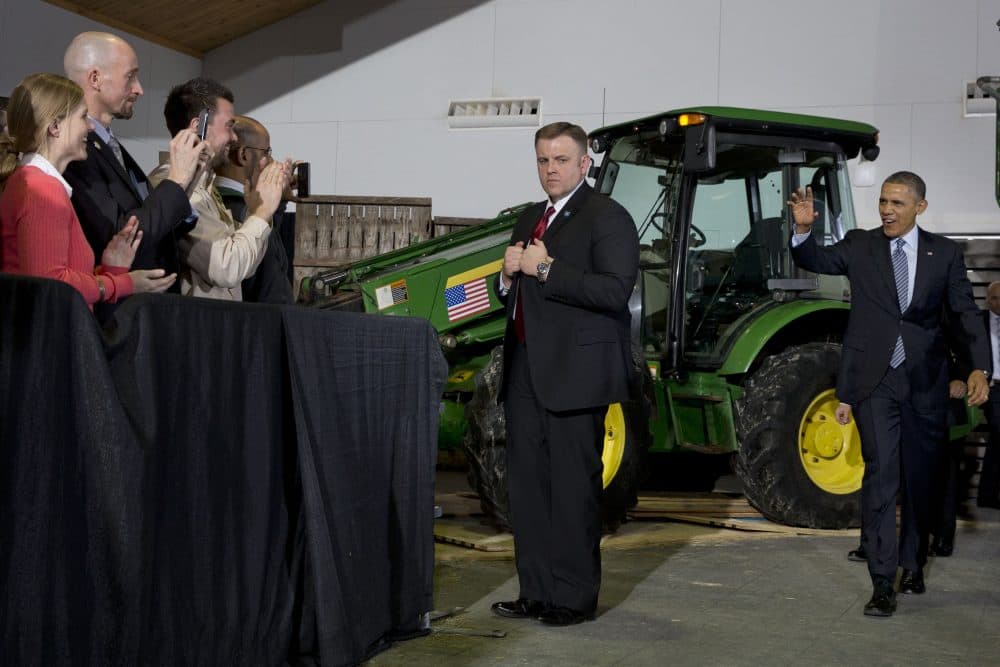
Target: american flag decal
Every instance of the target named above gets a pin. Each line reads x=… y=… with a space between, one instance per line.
x=467 y=299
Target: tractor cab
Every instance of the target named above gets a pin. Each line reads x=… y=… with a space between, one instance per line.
x=707 y=189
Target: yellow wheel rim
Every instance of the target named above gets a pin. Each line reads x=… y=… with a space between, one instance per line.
x=830 y=453
x=614 y=442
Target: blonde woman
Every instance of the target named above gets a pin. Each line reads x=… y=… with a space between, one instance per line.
x=40 y=234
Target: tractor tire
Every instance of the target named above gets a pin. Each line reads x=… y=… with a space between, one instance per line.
x=485 y=442
x=798 y=466
x=627 y=440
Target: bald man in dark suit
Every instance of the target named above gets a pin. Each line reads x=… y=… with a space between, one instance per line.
x=109 y=186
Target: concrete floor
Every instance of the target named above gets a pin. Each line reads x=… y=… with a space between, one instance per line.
x=706 y=596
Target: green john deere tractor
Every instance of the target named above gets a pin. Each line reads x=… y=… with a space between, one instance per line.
x=740 y=349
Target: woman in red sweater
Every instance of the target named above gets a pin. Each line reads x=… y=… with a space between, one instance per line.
x=40 y=234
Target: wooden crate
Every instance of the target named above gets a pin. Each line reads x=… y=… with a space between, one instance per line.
x=334 y=230
x=445 y=225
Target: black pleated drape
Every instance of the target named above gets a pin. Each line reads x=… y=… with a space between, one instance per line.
x=207 y=483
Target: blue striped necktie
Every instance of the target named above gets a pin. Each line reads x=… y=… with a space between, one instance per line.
x=900 y=269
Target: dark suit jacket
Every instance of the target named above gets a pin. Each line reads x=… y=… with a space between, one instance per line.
x=577 y=322
x=104 y=198
x=269 y=283
x=875 y=321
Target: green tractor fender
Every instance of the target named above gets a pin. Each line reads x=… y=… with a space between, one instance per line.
x=782 y=325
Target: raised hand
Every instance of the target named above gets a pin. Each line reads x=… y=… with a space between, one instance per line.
x=120 y=250
x=188 y=154
x=264 y=196
x=803 y=212
x=151 y=280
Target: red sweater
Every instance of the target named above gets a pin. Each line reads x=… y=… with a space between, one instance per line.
x=40 y=235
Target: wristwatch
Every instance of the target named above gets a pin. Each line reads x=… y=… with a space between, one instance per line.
x=543 y=271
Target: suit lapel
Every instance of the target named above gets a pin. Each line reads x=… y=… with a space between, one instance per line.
x=105 y=153
x=133 y=167
x=925 y=258
x=526 y=225
x=523 y=230
x=568 y=211
x=883 y=261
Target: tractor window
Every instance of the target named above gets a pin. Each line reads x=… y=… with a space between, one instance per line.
x=772 y=195
x=721 y=213
x=637 y=189
x=831 y=198
x=739 y=234
x=726 y=260
x=644 y=174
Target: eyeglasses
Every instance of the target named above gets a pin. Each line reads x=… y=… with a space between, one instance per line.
x=267 y=151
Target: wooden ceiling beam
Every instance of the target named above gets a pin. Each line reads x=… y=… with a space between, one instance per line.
x=193 y=27
x=112 y=22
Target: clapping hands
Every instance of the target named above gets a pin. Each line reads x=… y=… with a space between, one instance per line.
x=120 y=251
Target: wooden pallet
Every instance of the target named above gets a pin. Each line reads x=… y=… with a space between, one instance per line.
x=464 y=527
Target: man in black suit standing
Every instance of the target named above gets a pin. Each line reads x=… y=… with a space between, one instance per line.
x=894 y=369
x=566 y=280
x=109 y=186
x=989 y=477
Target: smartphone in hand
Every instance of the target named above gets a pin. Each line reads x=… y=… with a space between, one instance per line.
x=302 y=179
x=204 y=118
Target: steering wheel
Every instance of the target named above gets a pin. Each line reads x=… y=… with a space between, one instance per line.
x=696 y=238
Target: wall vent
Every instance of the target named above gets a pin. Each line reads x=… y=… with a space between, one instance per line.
x=495 y=112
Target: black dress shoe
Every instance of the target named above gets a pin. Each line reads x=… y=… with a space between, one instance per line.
x=858 y=555
x=941 y=548
x=883 y=601
x=563 y=616
x=912 y=581
x=519 y=608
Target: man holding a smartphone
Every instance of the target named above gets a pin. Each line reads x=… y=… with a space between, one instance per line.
x=109 y=186
x=219 y=253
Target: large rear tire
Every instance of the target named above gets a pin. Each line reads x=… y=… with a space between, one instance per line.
x=626 y=442
x=799 y=466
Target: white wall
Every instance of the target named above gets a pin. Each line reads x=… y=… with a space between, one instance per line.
x=360 y=88
x=363 y=95
x=33 y=38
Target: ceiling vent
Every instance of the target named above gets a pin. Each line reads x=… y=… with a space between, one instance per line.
x=495 y=112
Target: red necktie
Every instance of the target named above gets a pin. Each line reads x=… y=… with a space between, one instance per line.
x=540 y=228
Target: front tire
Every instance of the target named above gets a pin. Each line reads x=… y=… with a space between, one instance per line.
x=798 y=466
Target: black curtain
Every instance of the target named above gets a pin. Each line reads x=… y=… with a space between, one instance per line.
x=207 y=483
